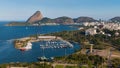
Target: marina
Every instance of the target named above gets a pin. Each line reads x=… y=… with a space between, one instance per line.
x=45 y=42
x=11 y=54
x=55 y=44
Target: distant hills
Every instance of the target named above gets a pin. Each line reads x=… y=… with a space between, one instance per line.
x=115 y=19
x=37 y=18
x=46 y=20
x=84 y=19
x=67 y=20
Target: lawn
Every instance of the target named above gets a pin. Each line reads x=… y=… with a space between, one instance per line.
x=59 y=66
x=71 y=67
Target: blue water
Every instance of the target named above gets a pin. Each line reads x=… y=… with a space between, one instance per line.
x=9 y=54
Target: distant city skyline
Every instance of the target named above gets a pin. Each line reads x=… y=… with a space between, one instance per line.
x=14 y=10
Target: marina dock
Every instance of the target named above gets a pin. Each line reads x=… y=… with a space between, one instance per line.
x=53 y=42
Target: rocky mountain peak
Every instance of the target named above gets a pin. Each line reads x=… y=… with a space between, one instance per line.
x=35 y=17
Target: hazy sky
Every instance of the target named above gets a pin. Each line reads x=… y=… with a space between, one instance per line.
x=22 y=9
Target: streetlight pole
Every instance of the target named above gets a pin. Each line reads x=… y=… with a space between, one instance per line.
x=43 y=57
x=109 y=58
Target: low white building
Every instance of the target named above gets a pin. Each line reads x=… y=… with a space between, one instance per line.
x=90 y=23
x=112 y=26
x=91 y=31
x=116 y=34
x=101 y=32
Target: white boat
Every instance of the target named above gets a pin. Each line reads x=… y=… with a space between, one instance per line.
x=27 y=47
x=43 y=58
